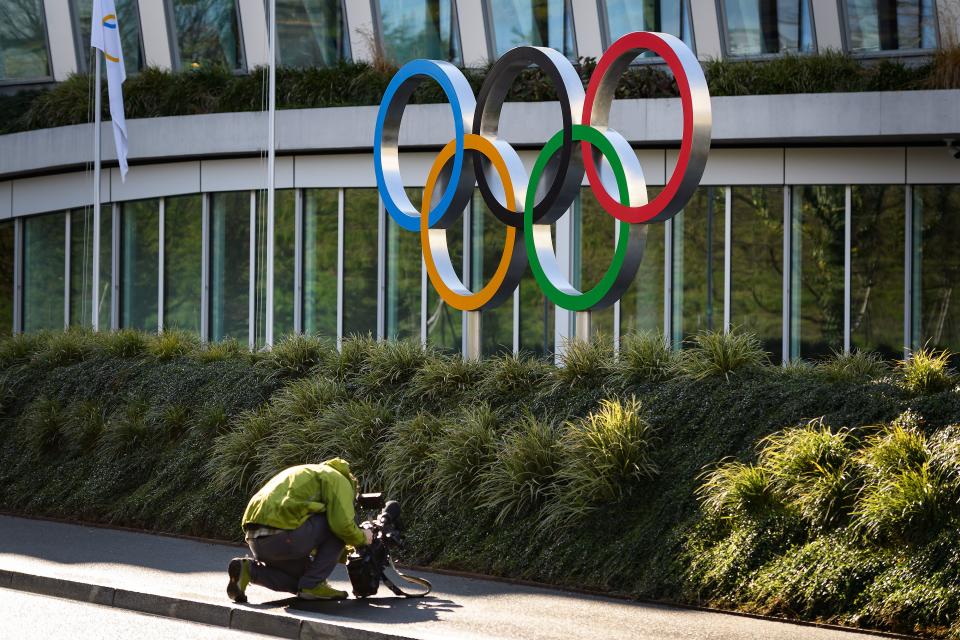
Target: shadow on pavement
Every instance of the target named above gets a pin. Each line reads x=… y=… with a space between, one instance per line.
x=388 y=609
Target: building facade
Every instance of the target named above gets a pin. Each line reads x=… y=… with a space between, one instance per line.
x=823 y=222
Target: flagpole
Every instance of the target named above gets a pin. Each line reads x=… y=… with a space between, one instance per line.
x=271 y=178
x=95 y=285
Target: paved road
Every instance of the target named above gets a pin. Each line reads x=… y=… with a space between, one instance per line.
x=26 y=616
x=459 y=608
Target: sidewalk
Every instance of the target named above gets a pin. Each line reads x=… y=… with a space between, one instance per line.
x=186 y=579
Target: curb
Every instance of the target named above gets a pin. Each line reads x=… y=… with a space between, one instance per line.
x=230 y=617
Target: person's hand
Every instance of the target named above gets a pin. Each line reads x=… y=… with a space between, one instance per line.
x=368 y=534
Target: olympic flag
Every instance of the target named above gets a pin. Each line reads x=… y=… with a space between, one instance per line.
x=105 y=36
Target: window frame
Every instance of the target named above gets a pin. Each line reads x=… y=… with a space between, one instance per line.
x=47 y=79
x=346 y=35
x=843 y=12
x=725 y=37
x=607 y=40
x=174 y=40
x=491 y=30
x=376 y=14
x=82 y=66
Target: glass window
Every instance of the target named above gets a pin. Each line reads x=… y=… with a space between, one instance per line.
x=139 y=264
x=698 y=265
x=542 y=23
x=888 y=25
x=403 y=277
x=594 y=242
x=664 y=16
x=311 y=33
x=756 y=264
x=876 y=269
x=641 y=307
x=537 y=318
x=444 y=323
x=360 y=222
x=129 y=18
x=284 y=248
x=81 y=266
x=487 y=238
x=44 y=262
x=936 y=267
x=6 y=277
x=207 y=33
x=419 y=29
x=320 y=215
x=23 y=41
x=230 y=265
x=817 y=234
x=183 y=249
x=761 y=27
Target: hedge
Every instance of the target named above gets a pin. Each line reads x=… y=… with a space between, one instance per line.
x=155 y=93
x=826 y=491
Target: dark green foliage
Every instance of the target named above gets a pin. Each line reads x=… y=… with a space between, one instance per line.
x=713 y=353
x=712 y=488
x=153 y=93
x=853 y=366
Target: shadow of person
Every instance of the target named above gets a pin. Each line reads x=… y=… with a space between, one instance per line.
x=391 y=609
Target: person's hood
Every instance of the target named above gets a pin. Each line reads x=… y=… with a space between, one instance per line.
x=343 y=467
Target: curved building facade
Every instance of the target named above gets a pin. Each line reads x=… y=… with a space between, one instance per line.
x=823 y=222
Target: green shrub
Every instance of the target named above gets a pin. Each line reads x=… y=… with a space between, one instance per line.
x=67 y=347
x=720 y=354
x=43 y=422
x=21 y=347
x=217 y=351
x=517 y=480
x=584 y=363
x=605 y=457
x=853 y=366
x=444 y=380
x=463 y=449
x=513 y=380
x=127 y=429
x=83 y=427
x=909 y=506
x=125 y=343
x=296 y=355
x=894 y=450
x=391 y=365
x=926 y=372
x=645 y=357
x=174 y=343
x=353 y=355
x=735 y=489
x=233 y=463
x=407 y=456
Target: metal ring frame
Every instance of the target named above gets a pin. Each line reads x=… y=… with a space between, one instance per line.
x=603 y=155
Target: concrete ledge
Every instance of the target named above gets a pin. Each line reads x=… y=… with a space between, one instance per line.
x=178 y=608
x=314 y=630
x=94 y=594
x=265 y=623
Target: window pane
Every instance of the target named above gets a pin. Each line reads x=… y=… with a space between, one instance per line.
x=444 y=323
x=542 y=23
x=936 y=267
x=129 y=18
x=139 y=264
x=593 y=247
x=320 y=261
x=43 y=266
x=81 y=266
x=208 y=33
x=537 y=319
x=816 y=328
x=756 y=264
x=884 y=25
x=757 y=27
x=664 y=16
x=311 y=33
x=283 y=260
x=360 y=221
x=487 y=237
x=419 y=29
x=876 y=269
x=183 y=246
x=23 y=41
x=403 y=277
x=6 y=277
x=641 y=307
x=698 y=265
x=230 y=265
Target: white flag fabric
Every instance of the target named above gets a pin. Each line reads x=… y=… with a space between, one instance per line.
x=105 y=35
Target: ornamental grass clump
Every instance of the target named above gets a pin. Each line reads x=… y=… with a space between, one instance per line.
x=512 y=380
x=407 y=457
x=21 y=347
x=233 y=461
x=353 y=354
x=174 y=343
x=220 y=351
x=389 y=366
x=43 y=423
x=734 y=490
x=67 y=347
x=584 y=364
x=714 y=353
x=517 y=480
x=812 y=468
x=606 y=456
x=926 y=372
x=126 y=430
x=84 y=425
x=644 y=357
x=443 y=380
x=125 y=343
x=463 y=449
x=853 y=366
x=296 y=355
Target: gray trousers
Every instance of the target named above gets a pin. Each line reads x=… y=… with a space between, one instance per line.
x=283 y=560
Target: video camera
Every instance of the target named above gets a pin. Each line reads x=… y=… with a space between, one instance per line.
x=366 y=564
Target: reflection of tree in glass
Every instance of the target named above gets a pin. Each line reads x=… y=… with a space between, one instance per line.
x=182 y=262
x=936 y=266
x=421 y=29
x=207 y=32
x=43 y=265
x=6 y=278
x=23 y=47
x=129 y=19
x=310 y=33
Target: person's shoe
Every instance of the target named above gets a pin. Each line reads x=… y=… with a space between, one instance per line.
x=322 y=591
x=239 y=571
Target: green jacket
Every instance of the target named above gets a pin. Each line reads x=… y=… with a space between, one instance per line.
x=295 y=494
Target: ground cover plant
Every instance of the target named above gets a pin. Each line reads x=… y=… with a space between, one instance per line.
x=155 y=93
x=826 y=491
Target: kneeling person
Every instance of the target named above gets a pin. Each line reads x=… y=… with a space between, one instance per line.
x=296 y=527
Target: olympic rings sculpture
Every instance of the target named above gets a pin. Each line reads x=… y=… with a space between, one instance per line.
x=585 y=146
